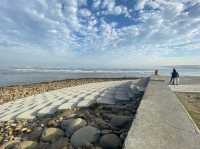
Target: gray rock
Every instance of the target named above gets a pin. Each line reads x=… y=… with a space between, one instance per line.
x=28 y=145
x=120 y=121
x=1 y=139
x=35 y=134
x=106 y=131
x=123 y=135
x=51 y=134
x=60 y=144
x=52 y=123
x=12 y=145
x=72 y=125
x=84 y=136
x=110 y=141
x=101 y=123
x=44 y=145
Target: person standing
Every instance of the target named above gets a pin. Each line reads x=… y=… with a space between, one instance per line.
x=174 y=77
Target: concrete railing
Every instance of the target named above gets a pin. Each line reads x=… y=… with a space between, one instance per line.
x=162 y=122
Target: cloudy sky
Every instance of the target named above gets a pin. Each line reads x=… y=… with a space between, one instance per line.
x=99 y=33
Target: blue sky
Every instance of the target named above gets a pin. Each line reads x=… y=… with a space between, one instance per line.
x=99 y=33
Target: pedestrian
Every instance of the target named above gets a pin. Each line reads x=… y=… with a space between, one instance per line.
x=174 y=77
x=156 y=72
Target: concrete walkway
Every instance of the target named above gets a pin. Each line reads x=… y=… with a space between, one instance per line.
x=162 y=122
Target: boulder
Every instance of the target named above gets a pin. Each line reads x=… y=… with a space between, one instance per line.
x=44 y=145
x=120 y=121
x=28 y=145
x=72 y=125
x=110 y=141
x=1 y=139
x=51 y=134
x=84 y=136
x=60 y=144
x=35 y=134
x=101 y=123
x=11 y=145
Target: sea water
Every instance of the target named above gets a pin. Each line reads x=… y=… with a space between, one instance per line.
x=13 y=76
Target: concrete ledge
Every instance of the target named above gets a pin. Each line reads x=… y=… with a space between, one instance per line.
x=162 y=122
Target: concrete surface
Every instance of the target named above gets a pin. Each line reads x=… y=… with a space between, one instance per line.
x=82 y=96
x=162 y=122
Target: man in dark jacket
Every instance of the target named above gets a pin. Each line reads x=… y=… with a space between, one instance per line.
x=174 y=77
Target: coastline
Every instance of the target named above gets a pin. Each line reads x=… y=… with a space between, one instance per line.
x=13 y=92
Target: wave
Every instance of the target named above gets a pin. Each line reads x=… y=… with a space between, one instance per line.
x=142 y=71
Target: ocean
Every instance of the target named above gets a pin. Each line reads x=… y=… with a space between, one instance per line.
x=15 y=76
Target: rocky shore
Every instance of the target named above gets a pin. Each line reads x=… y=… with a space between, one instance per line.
x=97 y=127
x=10 y=93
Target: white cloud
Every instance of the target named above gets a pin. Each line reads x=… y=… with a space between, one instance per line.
x=70 y=9
x=82 y=2
x=96 y=4
x=85 y=12
x=140 y=4
x=69 y=28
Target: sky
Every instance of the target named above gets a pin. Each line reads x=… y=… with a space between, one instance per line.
x=99 y=33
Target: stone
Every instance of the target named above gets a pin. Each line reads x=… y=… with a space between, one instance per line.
x=51 y=134
x=52 y=123
x=120 y=121
x=106 y=131
x=98 y=147
x=13 y=125
x=28 y=145
x=35 y=134
x=123 y=135
x=73 y=115
x=101 y=123
x=44 y=145
x=1 y=139
x=60 y=144
x=84 y=136
x=11 y=145
x=72 y=125
x=110 y=141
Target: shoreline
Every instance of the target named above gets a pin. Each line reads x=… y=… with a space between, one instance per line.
x=13 y=92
